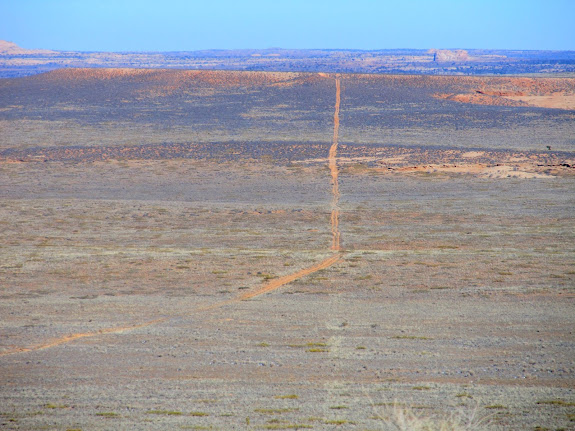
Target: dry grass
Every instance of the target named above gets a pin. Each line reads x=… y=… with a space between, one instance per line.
x=399 y=417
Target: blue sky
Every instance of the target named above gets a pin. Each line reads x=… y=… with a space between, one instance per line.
x=173 y=25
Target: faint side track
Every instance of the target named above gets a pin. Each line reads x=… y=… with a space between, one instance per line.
x=273 y=285
x=72 y=337
x=269 y=287
x=278 y=282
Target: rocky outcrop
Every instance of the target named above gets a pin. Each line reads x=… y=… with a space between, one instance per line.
x=481 y=99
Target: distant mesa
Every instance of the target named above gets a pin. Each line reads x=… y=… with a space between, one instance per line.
x=445 y=55
x=10 y=48
x=18 y=62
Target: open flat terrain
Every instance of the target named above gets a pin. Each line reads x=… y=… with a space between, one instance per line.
x=249 y=250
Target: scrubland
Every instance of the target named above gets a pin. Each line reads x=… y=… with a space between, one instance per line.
x=138 y=209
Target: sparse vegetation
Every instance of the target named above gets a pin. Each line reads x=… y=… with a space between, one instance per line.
x=287 y=426
x=134 y=197
x=165 y=412
x=337 y=422
x=402 y=418
x=278 y=411
x=410 y=337
x=55 y=406
x=558 y=403
x=197 y=427
x=108 y=414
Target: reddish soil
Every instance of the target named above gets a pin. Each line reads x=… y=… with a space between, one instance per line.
x=557 y=93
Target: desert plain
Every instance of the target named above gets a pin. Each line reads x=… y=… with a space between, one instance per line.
x=263 y=250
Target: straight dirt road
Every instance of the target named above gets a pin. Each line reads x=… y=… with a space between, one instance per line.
x=336 y=246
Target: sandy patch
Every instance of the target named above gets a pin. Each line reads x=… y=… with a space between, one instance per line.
x=518 y=159
x=481 y=99
x=499 y=171
x=392 y=160
x=555 y=101
x=473 y=154
x=506 y=171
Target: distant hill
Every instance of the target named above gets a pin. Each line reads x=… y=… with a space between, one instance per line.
x=16 y=61
x=10 y=48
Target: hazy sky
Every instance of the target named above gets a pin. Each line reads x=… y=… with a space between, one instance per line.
x=172 y=25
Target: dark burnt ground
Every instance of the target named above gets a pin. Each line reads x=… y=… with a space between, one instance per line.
x=278 y=117
x=169 y=99
x=66 y=108
x=224 y=151
x=405 y=111
x=387 y=157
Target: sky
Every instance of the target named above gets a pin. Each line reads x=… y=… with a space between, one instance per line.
x=187 y=25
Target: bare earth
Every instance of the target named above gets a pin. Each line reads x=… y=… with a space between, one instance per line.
x=230 y=250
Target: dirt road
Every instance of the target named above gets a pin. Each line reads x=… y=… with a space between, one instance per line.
x=269 y=287
x=335 y=172
x=72 y=337
x=336 y=235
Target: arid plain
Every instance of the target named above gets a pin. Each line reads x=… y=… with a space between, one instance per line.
x=249 y=250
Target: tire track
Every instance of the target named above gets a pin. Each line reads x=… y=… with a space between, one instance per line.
x=72 y=337
x=336 y=235
x=332 y=159
x=277 y=283
x=269 y=287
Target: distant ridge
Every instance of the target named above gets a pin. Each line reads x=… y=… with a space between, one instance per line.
x=11 y=48
x=16 y=61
